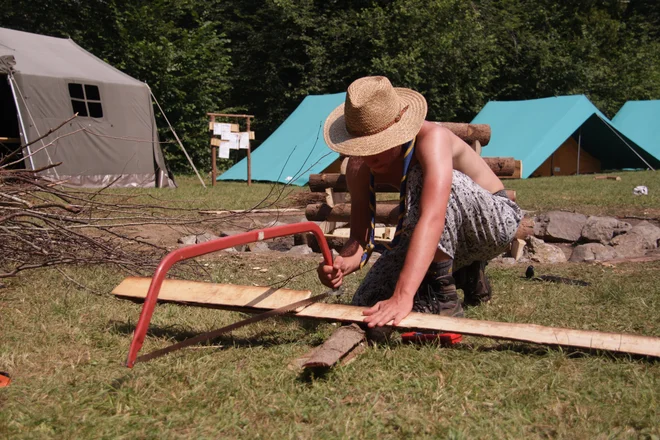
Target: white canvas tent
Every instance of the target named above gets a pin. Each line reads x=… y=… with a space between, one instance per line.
x=114 y=138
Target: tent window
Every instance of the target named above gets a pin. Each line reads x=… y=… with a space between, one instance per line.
x=86 y=100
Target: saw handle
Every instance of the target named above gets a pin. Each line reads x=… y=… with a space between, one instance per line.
x=197 y=250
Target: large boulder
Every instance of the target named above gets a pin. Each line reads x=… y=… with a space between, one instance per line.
x=636 y=242
x=603 y=229
x=559 y=226
x=542 y=252
x=592 y=252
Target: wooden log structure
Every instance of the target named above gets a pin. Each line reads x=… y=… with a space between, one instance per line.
x=469 y=132
x=501 y=166
x=256 y=299
x=385 y=212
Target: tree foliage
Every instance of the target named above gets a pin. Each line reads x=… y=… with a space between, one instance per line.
x=264 y=57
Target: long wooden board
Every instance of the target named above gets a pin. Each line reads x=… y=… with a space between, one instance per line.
x=537 y=334
x=219 y=296
x=259 y=298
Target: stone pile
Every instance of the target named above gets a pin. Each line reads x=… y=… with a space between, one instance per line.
x=558 y=237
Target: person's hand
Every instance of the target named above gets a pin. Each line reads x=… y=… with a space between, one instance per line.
x=332 y=276
x=395 y=308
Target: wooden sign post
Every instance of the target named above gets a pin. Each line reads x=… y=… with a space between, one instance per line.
x=215 y=142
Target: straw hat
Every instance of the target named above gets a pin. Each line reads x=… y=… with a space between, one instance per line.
x=374 y=118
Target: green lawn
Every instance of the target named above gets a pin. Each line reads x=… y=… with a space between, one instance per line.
x=64 y=346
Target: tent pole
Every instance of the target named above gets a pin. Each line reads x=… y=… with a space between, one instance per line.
x=177 y=137
x=579 y=146
x=249 y=158
x=20 y=118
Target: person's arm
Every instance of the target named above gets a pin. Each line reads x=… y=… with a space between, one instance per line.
x=434 y=152
x=348 y=261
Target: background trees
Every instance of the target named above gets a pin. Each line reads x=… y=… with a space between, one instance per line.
x=265 y=56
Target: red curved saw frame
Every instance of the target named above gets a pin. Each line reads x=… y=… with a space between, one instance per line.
x=207 y=248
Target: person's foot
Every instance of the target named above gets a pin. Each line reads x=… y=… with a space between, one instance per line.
x=473 y=281
x=437 y=295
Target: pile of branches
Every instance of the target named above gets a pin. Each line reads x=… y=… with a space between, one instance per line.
x=43 y=225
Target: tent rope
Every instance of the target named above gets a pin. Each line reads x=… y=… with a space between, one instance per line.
x=176 y=136
x=627 y=144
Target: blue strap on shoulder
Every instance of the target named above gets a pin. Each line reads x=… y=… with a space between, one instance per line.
x=409 y=149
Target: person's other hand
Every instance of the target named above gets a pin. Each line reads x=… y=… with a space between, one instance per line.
x=395 y=308
x=332 y=276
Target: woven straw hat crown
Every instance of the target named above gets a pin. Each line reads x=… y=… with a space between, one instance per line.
x=374 y=118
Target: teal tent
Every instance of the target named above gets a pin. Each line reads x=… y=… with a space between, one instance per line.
x=640 y=121
x=296 y=149
x=533 y=130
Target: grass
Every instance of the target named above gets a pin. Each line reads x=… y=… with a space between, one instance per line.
x=64 y=347
x=591 y=197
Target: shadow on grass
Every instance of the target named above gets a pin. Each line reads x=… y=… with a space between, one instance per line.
x=174 y=334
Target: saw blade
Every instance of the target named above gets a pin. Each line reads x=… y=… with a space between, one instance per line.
x=256 y=318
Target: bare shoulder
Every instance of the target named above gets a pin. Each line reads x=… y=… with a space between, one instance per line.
x=435 y=140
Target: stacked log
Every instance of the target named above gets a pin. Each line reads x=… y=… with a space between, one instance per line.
x=387 y=213
x=469 y=132
x=501 y=166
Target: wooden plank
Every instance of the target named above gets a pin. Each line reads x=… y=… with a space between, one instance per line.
x=386 y=233
x=340 y=343
x=532 y=333
x=220 y=296
x=9 y=140
x=617 y=178
x=517 y=248
x=255 y=298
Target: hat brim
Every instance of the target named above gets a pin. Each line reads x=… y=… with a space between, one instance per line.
x=341 y=141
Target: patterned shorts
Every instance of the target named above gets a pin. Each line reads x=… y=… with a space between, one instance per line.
x=478 y=226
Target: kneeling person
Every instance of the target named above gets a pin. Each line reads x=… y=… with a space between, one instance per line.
x=454 y=210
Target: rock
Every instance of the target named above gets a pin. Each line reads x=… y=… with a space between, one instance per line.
x=188 y=240
x=228 y=233
x=592 y=252
x=544 y=253
x=508 y=260
x=302 y=249
x=203 y=238
x=282 y=244
x=559 y=226
x=603 y=229
x=637 y=241
x=257 y=247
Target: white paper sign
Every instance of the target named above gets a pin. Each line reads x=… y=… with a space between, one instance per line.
x=223 y=151
x=231 y=140
x=244 y=141
x=220 y=128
